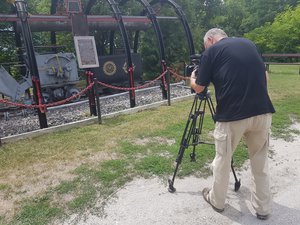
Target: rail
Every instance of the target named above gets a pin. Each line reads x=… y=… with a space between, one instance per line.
x=44 y=107
x=281 y=59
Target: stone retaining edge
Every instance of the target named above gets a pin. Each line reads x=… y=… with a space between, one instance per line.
x=93 y=120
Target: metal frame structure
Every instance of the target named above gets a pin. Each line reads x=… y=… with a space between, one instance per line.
x=183 y=19
x=119 y=18
x=117 y=21
x=22 y=13
x=53 y=33
x=152 y=16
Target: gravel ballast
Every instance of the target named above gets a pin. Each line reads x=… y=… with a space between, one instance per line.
x=109 y=104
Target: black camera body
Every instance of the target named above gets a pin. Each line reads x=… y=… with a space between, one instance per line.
x=195 y=62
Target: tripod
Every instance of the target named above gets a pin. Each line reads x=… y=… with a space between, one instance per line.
x=192 y=132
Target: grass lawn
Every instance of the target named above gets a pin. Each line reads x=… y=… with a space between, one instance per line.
x=49 y=177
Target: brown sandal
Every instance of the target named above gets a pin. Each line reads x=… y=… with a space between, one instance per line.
x=205 y=193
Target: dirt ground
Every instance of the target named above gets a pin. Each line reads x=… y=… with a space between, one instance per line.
x=148 y=202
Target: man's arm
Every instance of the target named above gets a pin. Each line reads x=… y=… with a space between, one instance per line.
x=197 y=88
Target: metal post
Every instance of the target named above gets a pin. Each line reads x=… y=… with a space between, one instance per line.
x=168 y=86
x=53 y=33
x=119 y=19
x=22 y=13
x=97 y=100
x=166 y=93
x=80 y=28
x=152 y=16
x=91 y=95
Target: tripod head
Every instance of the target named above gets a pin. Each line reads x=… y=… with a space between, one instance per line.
x=204 y=94
x=195 y=62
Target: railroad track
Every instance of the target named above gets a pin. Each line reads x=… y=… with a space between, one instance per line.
x=72 y=112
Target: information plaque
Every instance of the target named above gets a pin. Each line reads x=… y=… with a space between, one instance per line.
x=86 y=52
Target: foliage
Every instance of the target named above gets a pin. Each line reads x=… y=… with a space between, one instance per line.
x=261 y=12
x=4 y=6
x=236 y=17
x=282 y=35
x=233 y=13
x=39 y=6
x=6 y=43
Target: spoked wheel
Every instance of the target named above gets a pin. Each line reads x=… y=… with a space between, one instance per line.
x=46 y=97
x=72 y=92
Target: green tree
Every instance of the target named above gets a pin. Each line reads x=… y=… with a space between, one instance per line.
x=281 y=36
x=233 y=13
x=7 y=48
x=260 y=12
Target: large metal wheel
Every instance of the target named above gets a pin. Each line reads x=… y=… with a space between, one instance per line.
x=73 y=91
x=46 y=97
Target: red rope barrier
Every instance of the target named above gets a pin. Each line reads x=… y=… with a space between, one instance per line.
x=164 y=77
x=134 y=88
x=18 y=104
x=130 y=71
x=43 y=107
x=89 y=74
x=177 y=75
x=71 y=97
x=49 y=104
x=40 y=101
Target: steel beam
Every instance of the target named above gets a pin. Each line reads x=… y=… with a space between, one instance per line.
x=39 y=23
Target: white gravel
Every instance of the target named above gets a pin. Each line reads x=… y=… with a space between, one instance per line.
x=148 y=202
x=109 y=104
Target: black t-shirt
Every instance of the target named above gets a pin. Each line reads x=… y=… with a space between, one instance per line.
x=237 y=72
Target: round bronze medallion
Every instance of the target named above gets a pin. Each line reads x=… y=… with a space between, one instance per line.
x=109 y=68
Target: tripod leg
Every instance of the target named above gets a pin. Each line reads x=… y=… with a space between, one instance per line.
x=198 y=128
x=171 y=188
x=196 y=134
x=237 y=183
x=188 y=131
x=195 y=140
x=191 y=130
x=183 y=146
x=193 y=154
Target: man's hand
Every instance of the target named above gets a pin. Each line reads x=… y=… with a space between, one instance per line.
x=197 y=88
x=193 y=75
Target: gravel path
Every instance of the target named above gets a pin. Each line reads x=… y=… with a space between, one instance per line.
x=148 y=202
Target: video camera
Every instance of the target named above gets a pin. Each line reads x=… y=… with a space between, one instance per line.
x=195 y=62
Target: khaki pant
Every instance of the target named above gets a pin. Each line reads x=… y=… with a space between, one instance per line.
x=227 y=136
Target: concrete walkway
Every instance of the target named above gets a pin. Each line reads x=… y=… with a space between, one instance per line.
x=148 y=202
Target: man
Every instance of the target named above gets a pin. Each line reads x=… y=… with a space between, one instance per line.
x=244 y=109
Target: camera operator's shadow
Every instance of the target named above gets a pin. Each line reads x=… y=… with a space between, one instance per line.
x=244 y=213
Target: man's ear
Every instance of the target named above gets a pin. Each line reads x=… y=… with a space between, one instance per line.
x=212 y=40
